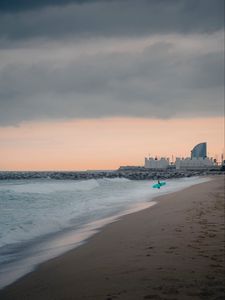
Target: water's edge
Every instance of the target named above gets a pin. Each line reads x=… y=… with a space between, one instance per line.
x=57 y=244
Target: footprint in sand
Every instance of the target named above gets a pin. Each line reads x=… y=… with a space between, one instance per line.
x=158 y=288
x=210 y=277
x=212 y=235
x=155 y=297
x=201 y=236
x=170 y=291
x=215 y=266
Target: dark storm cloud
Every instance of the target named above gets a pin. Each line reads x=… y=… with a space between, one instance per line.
x=160 y=83
x=21 y=5
x=90 y=59
x=110 y=18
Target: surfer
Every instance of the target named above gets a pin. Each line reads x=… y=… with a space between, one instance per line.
x=159 y=184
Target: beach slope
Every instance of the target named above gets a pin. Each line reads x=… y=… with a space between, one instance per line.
x=173 y=250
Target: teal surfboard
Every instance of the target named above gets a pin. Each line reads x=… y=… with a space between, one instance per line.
x=158 y=185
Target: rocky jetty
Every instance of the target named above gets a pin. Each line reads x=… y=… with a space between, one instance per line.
x=138 y=173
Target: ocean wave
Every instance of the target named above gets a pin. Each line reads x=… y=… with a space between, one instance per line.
x=47 y=187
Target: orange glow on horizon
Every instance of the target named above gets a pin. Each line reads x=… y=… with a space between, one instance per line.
x=104 y=143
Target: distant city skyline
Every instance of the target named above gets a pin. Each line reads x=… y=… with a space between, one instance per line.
x=89 y=84
x=104 y=144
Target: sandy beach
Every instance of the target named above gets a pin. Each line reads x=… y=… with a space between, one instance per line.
x=173 y=250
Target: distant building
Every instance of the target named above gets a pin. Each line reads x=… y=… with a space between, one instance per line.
x=153 y=163
x=197 y=161
x=199 y=151
x=194 y=163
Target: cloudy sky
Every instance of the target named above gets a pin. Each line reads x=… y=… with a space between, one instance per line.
x=151 y=72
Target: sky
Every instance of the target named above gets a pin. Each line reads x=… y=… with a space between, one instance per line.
x=95 y=84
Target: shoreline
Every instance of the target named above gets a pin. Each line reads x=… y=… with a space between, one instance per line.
x=53 y=245
x=126 y=249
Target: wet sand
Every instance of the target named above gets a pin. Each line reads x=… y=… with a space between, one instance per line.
x=173 y=250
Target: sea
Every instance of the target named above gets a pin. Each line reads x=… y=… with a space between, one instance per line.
x=44 y=218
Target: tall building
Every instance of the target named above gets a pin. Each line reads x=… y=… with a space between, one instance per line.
x=199 y=151
x=198 y=160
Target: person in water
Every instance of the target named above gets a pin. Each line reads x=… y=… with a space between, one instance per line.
x=159 y=183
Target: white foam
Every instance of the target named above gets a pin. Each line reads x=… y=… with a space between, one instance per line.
x=49 y=186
